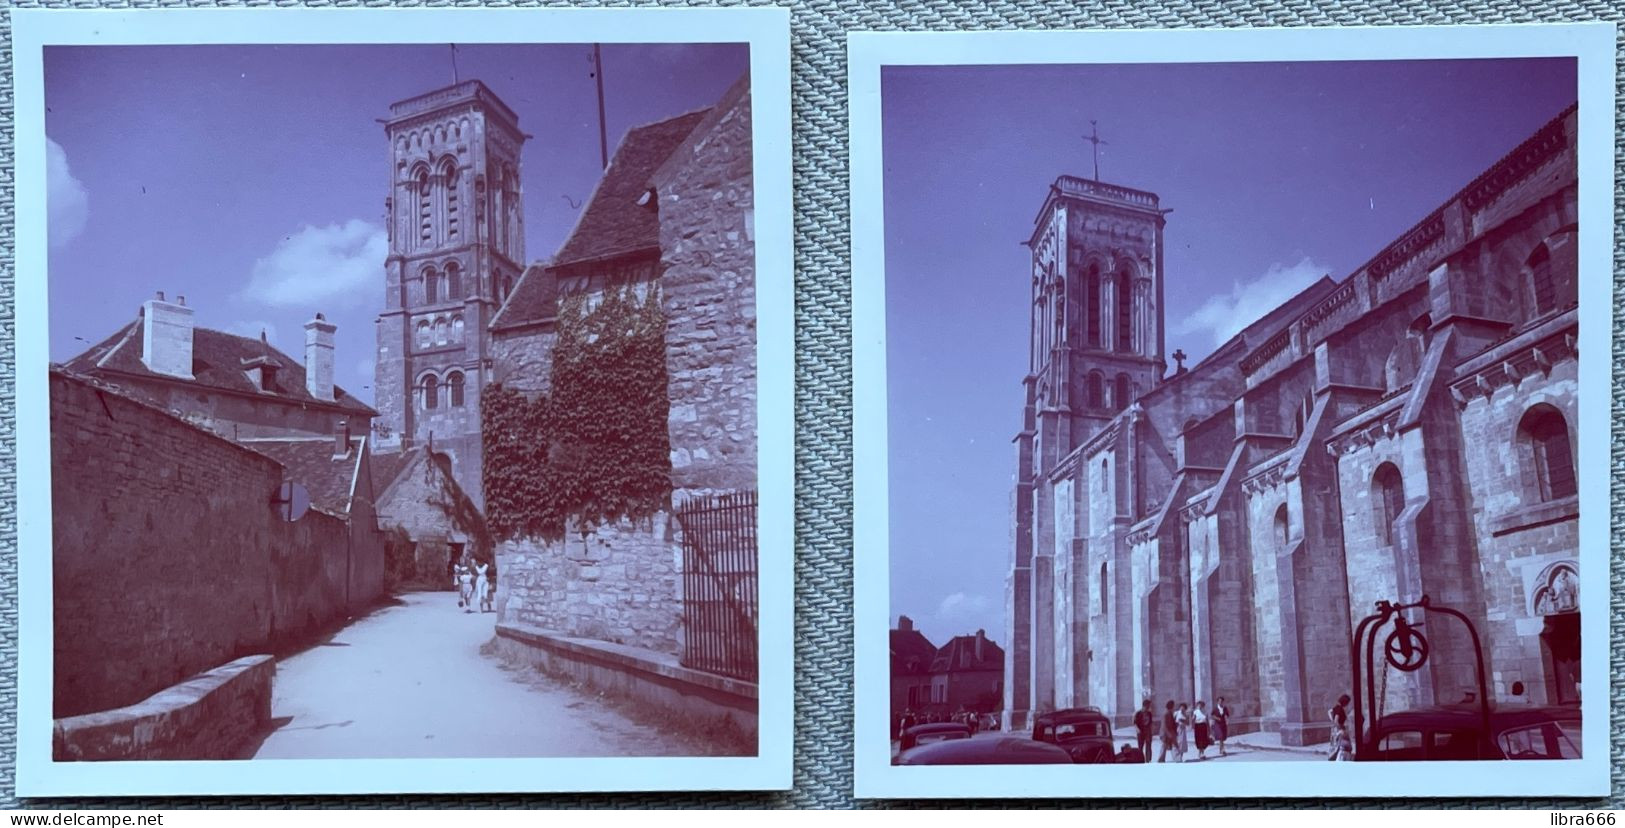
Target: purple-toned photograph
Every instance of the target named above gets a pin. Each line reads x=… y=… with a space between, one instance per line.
x=403 y=402
x=1232 y=412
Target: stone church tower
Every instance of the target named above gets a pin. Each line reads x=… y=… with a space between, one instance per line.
x=456 y=248
x=1096 y=345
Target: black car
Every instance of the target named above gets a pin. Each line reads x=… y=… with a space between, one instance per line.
x=986 y=750
x=936 y=732
x=1084 y=732
x=1457 y=733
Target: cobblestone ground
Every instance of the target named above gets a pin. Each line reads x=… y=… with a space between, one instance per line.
x=409 y=681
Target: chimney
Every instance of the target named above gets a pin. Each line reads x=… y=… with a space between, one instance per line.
x=341 y=440
x=904 y=623
x=319 y=358
x=981 y=642
x=166 y=337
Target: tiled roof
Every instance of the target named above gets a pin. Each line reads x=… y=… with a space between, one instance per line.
x=613 y=222
x=911 y=652
x=385 y=468
x=534 y=299
x=959 y=655
x=218 y=361
x=310 y=462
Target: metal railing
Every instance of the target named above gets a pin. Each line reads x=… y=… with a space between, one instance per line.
x=719 y=584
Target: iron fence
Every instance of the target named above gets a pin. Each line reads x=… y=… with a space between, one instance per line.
x=719 y=584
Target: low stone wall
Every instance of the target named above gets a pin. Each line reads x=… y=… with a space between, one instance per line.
x=652 y=678
x=619 y=584
x=214 y=715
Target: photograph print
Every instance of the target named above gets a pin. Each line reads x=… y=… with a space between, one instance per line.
x=403 y=404
x=1233 y=412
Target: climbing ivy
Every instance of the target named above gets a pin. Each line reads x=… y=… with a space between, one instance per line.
x=596 y=447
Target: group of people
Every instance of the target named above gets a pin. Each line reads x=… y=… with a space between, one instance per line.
x=474 y=582
x=975 y=721
x=1178 y=726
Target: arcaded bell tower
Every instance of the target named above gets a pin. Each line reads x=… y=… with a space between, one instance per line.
x=456 y=248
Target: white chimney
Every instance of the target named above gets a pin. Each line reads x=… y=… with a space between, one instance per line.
x=319 y=358
x=166 y=337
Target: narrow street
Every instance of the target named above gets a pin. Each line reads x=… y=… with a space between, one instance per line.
x=409 y=681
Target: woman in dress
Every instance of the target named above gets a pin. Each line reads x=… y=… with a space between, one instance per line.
x=482 y=585
x=1342 y=744
x=1199 y=722
x=1220 y=727
x=1182 y=720
x=465 y=578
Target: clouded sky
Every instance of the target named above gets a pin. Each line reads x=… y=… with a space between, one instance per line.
x=1276 y=174
x=251 y=179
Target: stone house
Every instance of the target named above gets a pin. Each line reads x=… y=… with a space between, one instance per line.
x=911 y=657
x=419 y=496
x=967 y=673
x=673 y=208
x=1219 y=530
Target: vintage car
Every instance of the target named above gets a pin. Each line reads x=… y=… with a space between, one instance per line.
x=1083 y=732
x=986 y=750
x=1456 y=732
x=927 y=733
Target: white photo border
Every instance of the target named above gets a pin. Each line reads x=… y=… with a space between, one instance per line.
x=767 y=32
x=867 y=53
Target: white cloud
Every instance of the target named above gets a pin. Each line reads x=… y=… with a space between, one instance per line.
x=1224 y=315
x=319 y=267
x=66 y=204
x=960 y=606
x=252 y=327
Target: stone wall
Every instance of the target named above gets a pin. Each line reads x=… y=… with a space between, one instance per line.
x=168 y=556
x=708 y=291
x=216 y=715
x=619 y=584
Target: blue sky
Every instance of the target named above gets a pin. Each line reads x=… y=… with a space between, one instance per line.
x=1276 y=174
x=251 y=179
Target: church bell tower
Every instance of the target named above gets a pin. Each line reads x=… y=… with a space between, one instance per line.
x=456 y=248
x=1095 y=345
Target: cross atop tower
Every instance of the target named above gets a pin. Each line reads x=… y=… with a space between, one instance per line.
x=1094 y=138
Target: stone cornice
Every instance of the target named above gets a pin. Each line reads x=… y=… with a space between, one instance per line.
x=1256 y=358
x=1267 y=475
x=1382 y=426
x=1516 y=165
x=1328 y=306
x=1425 y=233
x=1509 y=363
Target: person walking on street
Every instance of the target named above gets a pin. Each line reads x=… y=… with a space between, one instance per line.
x=1170 y=733
x=1145 y=721
x=1199 y=722
x=1342 y=744
x=1183 y=720
x=1221 y=724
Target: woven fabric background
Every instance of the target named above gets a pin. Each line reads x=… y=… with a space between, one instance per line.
x=823 y=572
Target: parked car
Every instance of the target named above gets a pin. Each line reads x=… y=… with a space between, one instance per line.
x=1456 y=732
x=987 y=750
x=1083 y=732
x=927 y=733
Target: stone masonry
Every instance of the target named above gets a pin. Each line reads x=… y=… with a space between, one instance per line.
x=1220 y=529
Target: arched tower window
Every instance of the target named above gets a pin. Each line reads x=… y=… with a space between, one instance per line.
x=1548 y=453
x=457 y=329
x=449 y=174
x=431 y=392
x=425 y=230
x=455 y=383
x=431 y=286
x=1542 y=281
x=1282 y=528
x=1097 y=390
x=1104 y=589
x=1387 y=501
x=1125 y=311
x=1091 y=310
x=425 y=335
x=454 y=282
x=1122 y=392
x=440 y=331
